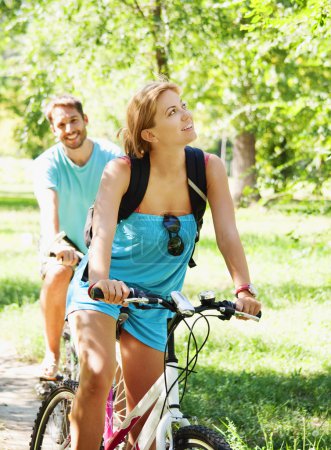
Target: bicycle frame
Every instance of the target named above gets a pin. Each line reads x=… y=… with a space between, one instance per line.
x=162 y=399
x=164 y=395
x=160 y=403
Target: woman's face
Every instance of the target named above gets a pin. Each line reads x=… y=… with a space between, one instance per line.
x=173 y=122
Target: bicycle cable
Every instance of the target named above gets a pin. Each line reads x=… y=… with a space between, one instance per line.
x=190 y=362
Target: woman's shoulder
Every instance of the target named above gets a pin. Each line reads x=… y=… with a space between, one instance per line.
x=206 y=156
x=215 y=168
x=122 y=164
x=117 y=170
x=213 y=160
x=126 y=159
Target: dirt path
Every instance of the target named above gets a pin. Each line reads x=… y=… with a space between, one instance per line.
x=18 y=401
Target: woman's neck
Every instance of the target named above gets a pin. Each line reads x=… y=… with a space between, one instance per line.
x=167 y=160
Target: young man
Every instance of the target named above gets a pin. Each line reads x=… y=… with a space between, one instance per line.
x=66 y=180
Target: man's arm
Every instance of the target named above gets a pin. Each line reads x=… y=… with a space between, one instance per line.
x=49 y=227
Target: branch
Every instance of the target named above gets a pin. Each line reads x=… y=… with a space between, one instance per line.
x=139 y=9
x=136 y=7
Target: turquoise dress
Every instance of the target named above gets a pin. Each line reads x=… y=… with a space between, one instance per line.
x=140 y=258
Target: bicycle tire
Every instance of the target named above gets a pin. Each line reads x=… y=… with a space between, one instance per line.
x=117 y=399
x=51 y=427
x=71 y=364
x=199 y=437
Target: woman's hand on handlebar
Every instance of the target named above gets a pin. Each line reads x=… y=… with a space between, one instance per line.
x=115 y=292
x=247 y=304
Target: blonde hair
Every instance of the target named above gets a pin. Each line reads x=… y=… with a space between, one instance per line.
x=140 y=115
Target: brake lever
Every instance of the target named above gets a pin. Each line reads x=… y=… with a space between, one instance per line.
x=248 y=316
x=226 y=313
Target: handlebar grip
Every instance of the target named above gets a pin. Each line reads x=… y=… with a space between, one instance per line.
x=233 y=305
x=258 y=315
x=96 y=293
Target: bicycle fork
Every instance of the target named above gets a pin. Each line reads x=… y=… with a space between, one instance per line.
x=173 y=413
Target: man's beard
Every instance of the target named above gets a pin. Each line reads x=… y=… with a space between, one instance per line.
x=77 y=142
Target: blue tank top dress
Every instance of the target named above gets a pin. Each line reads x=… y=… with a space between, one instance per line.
x=140 y=258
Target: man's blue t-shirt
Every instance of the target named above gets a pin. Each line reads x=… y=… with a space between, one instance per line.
x=76 y=186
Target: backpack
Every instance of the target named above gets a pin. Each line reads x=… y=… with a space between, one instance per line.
x=140 y=169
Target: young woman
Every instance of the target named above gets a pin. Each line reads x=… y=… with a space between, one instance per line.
x=135 y=253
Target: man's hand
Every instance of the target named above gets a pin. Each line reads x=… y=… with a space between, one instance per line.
x=65 y=254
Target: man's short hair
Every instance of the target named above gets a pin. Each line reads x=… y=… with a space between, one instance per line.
x=63 y=100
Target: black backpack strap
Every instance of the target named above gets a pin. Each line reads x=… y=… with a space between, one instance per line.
x=140 y=170
x=197 y=181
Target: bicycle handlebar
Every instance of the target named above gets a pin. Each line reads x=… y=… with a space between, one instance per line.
x=180 y=304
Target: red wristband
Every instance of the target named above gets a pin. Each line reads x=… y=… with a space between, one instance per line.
x=246 y=287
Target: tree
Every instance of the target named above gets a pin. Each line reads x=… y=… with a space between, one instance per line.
x=249 y=68
x=298 y=141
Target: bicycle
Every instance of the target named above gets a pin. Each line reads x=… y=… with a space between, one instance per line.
x=51 y=426
x=69 y=363
x=69 y=367
x=165 y=422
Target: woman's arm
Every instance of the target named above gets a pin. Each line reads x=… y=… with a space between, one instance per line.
x=227 y=236
x=114 y=183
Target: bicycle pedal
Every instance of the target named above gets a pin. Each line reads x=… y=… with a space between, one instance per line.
x=44 y=388
x=58 y=377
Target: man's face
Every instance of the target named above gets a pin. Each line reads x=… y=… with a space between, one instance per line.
x=69 y=126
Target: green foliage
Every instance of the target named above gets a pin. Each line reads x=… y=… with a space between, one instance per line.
x=18 y=291
x=255 y=66
x=296 y=135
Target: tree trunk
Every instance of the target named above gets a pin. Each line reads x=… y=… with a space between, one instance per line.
x=160 y=42
x=243 y=167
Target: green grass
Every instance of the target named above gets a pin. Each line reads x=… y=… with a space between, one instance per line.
x=20 y=319
x=270 y=377
x=267 y=385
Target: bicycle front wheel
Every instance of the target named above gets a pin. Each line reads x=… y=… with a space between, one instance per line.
x=51 y=427
x=199 y=437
